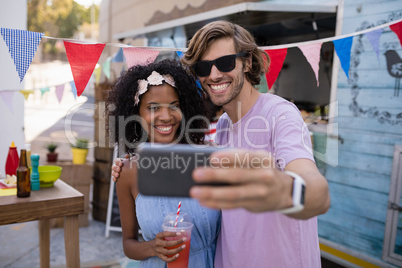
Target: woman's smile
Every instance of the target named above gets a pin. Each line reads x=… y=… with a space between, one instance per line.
x=164 y=129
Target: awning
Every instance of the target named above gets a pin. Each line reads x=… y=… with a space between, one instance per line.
x=249 y=14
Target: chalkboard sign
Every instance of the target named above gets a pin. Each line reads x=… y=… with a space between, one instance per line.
x=113 y=213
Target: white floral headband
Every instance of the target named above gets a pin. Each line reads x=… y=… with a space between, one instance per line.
x=154 y=79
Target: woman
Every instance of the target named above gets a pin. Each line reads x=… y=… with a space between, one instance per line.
x=154 y=103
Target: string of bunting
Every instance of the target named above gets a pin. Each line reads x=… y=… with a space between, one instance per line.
x=84 y=56
x=8 y=95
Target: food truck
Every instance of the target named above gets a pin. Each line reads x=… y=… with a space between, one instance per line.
x=354 y=113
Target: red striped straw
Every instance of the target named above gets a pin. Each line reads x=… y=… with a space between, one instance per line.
x=177 y=216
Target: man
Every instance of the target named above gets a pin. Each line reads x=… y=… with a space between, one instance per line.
x=255 y=121
x=271 y=175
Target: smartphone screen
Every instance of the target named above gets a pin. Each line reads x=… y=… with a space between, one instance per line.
x=165 y=170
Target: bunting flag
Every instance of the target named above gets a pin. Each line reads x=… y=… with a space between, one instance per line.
x=7 y=97
x=342 y=48
x=22 y=46
x=374 y=39
x=312 y=52
x=139 y=56
x=97 y=72
x=73 y=89
x=397 y=29
x=82 y=59
x=59 y=92
x=119 y=57
x=26 y=93
x=179 y=54
x=44 y=90
x=277 y=57
x=106 y=68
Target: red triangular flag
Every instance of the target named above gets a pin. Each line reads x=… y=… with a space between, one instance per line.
x=139 y=56
x=82 y=59
x=277 y=57
x=397 y=28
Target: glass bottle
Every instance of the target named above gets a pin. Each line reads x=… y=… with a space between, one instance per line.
x=28 y=148
x=35 y=184
x=23 y=176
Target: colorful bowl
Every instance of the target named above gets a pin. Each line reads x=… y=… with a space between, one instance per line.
x=48 y=175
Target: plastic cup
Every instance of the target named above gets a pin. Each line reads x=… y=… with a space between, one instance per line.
x=184 y=226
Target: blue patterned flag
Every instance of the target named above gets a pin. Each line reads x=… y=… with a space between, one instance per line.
x=22 y=46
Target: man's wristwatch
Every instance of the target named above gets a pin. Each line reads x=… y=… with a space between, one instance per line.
x=299 y=188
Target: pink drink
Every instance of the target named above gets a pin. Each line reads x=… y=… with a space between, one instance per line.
x=182 y=260
x=183 y=227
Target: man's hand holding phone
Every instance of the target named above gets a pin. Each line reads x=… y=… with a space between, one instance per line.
x=252 y=181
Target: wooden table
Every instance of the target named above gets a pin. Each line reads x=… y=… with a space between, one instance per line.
x=61 y=200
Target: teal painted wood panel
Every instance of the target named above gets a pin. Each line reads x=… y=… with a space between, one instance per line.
x=369 y=148
x=351 y=25
x=370 y=138
x=373 y=112
x=371 y=116
x=364 y=137
x=368 y=122
x=368 y=57
x=370 y=8
x=364 y=162
x=357 y=178
x=360 y=226
x=360 y=202
x=384 y=15
x=370 y=97
x=370 y=78
x=369 y=125
x=338 y=233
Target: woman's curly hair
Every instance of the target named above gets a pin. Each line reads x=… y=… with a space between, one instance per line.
x=120 y=104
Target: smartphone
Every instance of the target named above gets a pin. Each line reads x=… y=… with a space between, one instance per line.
x=166 y=170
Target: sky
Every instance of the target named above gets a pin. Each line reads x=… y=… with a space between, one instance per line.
x=87 y=3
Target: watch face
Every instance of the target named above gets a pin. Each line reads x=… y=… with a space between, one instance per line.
x=303 y=188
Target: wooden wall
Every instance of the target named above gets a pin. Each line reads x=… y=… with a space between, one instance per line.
x=370 y=123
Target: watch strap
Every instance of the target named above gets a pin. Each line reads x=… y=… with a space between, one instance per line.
x=299 y=188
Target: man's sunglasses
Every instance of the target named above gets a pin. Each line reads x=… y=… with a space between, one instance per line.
x=224 y=64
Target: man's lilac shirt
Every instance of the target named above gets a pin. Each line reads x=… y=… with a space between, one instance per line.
x=267 y=239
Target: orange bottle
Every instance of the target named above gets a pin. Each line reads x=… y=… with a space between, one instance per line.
x=12 y=160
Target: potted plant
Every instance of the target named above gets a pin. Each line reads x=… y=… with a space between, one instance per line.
x=80 y=151
x=51 y=155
